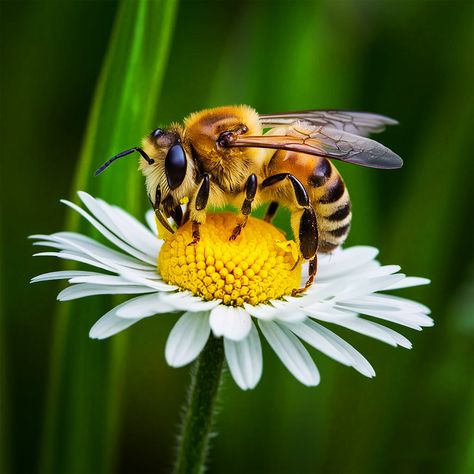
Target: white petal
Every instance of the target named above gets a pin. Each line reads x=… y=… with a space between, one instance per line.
x=359 y=362
x=232 y=323
x=150 y=220
x=112 y=261
x=261 y=311
x=83 y=289
x=110 y=324
x=373 y=269
x=309 y=332
x=291 y=316
x=276 y=310
x=371 y=329
x=344 y=261
x=187 y=338
x=291 y=352
x=323 y=291
x=81 y=244
x=110 y=236
x=63 y=275
x=96 y=211
x=74 y=257
x=244 y=359
x=122 y=224
x=143 y=306
x=97 y=279
x=360 y=288
x=328 y=310
x=131 y=230
x=412 y=320
x=398 y=302
x=97 y=250
x=408 y=282
x=186 y=301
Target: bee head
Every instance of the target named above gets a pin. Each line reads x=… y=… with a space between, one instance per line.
x=172 y=169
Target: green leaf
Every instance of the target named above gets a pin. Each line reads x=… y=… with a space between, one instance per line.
x=83 y=405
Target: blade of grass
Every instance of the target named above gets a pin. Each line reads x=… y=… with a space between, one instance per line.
x=4 y=418
x=82 y=418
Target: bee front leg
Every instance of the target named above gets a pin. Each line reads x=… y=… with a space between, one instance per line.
x=158 y=213
x=246 y=209
x=198 y=205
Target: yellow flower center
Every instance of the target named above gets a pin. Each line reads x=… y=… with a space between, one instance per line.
x=254 y=268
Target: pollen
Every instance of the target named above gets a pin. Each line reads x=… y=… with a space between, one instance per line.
x=254 y=268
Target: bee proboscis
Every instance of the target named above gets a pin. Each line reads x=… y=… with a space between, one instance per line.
x=222 y=156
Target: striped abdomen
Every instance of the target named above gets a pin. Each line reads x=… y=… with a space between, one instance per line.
x=327 y=191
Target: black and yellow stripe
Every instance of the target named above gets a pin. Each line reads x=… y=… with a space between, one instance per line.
x=331 y=203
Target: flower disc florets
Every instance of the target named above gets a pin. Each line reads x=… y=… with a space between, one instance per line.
x=254 y=268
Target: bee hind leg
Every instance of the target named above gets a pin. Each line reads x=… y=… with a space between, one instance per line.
x=313 y=268
x=246 y=209
x=308 y=241
x=303 y=222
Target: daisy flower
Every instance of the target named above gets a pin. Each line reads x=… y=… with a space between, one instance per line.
x=239 y=291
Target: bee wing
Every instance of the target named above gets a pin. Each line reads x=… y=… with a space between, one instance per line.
x=323 y=141
x=357 y=123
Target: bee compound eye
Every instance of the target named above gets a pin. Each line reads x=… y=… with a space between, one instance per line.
x=175 y=166
x=157 y=133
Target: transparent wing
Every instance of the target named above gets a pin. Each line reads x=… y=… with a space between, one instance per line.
x=357 y=123
x=337 y=144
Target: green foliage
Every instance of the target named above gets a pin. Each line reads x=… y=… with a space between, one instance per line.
x=75 y=405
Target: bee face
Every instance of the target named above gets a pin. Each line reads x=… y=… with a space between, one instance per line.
x=172 y=169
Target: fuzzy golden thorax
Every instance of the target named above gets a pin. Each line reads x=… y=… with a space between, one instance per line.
x=229 y=167
x=155 y=175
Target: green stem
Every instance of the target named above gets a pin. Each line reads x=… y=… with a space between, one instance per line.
x=200 y=409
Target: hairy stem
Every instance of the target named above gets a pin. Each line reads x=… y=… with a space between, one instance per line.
x=200 y=409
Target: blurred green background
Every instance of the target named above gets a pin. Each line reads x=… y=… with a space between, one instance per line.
x=82 y=80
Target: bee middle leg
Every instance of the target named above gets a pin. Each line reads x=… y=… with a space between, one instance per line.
x=304 y=224
x=271 y=211
x=246 y=209
x=197 y=212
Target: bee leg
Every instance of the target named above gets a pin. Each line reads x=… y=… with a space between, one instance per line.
x=246 y=209
x=158 y=213
x=271 y=211
x=305 y=226
x=313 y=268
x=177 y=215
x=197 y=212
x=308 y=240
x=195 y=232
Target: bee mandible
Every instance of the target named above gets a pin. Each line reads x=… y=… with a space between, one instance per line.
x=222 y=156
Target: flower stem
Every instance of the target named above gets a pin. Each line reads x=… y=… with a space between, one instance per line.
x=200 y=409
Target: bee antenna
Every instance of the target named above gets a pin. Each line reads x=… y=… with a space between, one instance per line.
x=149 y=160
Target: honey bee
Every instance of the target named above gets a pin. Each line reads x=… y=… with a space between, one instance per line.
x=222 y=156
